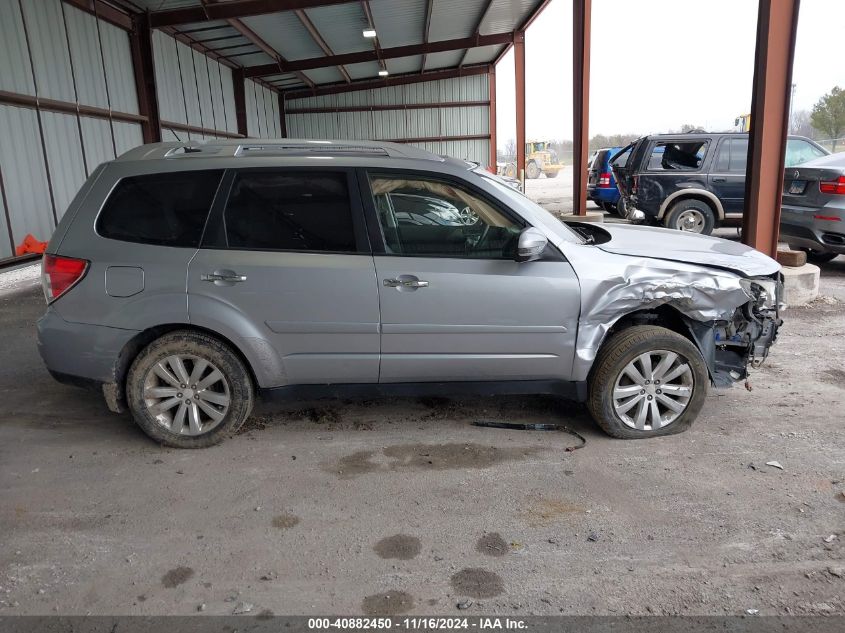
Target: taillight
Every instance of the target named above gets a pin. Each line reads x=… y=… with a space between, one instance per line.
x=635 y=184
x=59 y=274
x=833 y=186
x=604 y=180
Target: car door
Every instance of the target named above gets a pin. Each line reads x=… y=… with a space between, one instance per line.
x=455 y=305
x=727 y=175
x=286 y=259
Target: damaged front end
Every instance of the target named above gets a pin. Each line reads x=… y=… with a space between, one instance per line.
x=733 y=317
x=731 y=345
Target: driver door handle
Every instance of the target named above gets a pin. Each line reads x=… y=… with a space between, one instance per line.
x=405 y=283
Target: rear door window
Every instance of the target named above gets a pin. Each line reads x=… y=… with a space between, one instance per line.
x=280 y=210
x=167 y=209
x=677 y=156
x=732 y=155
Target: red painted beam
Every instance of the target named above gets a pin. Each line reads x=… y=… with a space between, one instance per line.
x=240 y=100
x=519 y=72
x=777 y=22
x=232 y=10
x=581 y=35
x=394 y=80
x=381 y=108
x=491 y=87
x=141 y=46
x=373 y=56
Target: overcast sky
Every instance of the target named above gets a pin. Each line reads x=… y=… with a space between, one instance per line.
x=657 y=64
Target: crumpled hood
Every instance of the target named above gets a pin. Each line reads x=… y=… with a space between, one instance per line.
x=691 y=248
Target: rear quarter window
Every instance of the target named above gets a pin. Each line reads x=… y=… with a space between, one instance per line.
x=168 y=209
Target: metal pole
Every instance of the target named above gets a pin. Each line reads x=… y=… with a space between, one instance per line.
x=145 y=77
x=519 y=72
x=240 y=100
x=777 y=22
x=581 y=14
x=491 y=85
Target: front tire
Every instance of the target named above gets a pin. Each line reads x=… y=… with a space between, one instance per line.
x=189 y=390
x=532 y=171
x=647 y=381
x=693 y=216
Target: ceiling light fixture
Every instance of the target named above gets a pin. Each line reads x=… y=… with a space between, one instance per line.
x=383 y=73
x=369 y=32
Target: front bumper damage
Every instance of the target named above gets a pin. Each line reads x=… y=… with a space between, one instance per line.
x=733 y=318
x=730 y=346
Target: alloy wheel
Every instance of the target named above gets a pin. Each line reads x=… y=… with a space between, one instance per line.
x=186 y=394
x=653 y=390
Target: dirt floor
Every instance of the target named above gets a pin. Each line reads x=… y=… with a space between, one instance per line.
x=403 y=505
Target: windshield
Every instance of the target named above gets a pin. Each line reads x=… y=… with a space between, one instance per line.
x=520 y=201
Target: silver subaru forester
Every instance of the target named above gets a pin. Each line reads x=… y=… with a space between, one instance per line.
x=185 y=280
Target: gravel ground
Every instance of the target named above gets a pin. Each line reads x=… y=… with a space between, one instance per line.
x=403 y=505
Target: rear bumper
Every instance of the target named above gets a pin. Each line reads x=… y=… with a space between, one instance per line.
x=80 y=352
x=603 y=194
x=800 y=226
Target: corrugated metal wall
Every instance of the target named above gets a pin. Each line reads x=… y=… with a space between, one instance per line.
x=193 y=90
x=262 y=111
x=402 y=124
x=51 y=50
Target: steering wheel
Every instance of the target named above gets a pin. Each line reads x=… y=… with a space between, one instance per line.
x=468 y=216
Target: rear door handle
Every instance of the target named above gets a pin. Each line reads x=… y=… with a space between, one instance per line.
x=719 y=179
x=225 y=276
x=405 y=283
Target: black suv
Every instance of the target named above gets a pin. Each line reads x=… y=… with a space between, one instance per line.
x=692 y=182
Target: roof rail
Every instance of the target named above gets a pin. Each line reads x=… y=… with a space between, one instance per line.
x=276 y=147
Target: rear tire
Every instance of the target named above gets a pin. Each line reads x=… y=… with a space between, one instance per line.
x=608 y=207
x=631 y=408
x=620 y=207
x=551 y=174
x=692 y=215
x=189 y=390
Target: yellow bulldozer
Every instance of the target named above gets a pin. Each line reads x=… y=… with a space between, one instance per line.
x=540 y=158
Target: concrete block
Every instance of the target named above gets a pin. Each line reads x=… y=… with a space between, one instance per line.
x=791 y=258
x=800 y=285
x=592 y=216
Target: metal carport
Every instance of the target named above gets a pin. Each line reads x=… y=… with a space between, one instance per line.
x=83 y=80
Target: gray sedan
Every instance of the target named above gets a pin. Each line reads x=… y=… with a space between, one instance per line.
x=813 y=213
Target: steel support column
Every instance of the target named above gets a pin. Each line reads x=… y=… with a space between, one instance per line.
x=240 y=100
x=581 y=14
x=145 y=77
x=283 y=124
x=519 y=73
x=491 y=87
x=777 y=22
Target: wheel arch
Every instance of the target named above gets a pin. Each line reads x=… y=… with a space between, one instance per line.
x=141 y=340
x=692 y=194
x=672 y=319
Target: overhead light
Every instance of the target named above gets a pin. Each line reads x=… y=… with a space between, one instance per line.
x=369 y=32
x=383 y=73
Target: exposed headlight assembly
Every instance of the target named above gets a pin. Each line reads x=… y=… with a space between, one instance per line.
x=763 y=290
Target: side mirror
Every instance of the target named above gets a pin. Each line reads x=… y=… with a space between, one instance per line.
x=532 y=242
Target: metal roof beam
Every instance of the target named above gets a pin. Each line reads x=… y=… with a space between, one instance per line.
x=477 y=27
x=395 y=80
x=233 y=9
x=386 y=53
x=429 y=5
x=318 y=39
